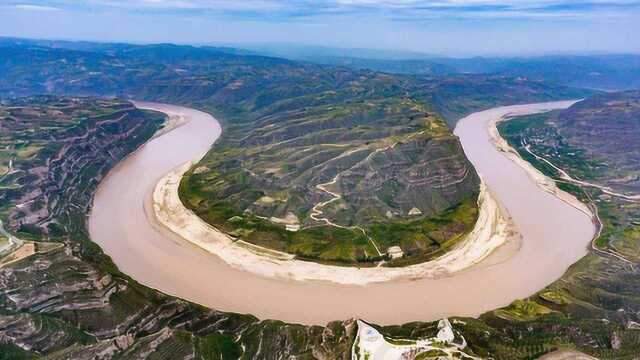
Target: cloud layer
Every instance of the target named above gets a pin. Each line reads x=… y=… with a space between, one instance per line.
x=454 y=27
x=407 y=10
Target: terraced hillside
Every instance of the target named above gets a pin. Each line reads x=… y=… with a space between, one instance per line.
x=349 y=179
x=589 y=149
x=45 y=141
x=607 y=129
x=596 y=143
x=66 y=299
x=357 y=161
x=74 y=303
x=239 y=87
x=596 y=138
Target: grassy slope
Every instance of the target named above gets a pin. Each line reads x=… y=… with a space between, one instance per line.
x=229 y=191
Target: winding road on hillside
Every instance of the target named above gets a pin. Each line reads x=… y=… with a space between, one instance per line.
x=554 y=235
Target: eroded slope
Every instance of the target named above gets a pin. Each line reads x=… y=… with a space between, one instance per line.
x=72 y=302
x=47 y=141
x=607 y=129
x=348 y=178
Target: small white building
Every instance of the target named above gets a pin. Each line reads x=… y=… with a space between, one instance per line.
x=395 y=252
x=292 y=227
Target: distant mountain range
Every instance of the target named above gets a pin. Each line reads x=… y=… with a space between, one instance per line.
x=596 y=71
x=607 y=72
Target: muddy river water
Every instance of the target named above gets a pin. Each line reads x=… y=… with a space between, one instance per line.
x=554 y=235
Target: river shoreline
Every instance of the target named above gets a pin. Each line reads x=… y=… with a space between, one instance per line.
x=493 y=229
x=119 y=223
x=544 y=182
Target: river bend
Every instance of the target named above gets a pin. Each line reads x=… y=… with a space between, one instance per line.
x=554 y=235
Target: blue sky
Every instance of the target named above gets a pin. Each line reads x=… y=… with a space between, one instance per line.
x=452 y=27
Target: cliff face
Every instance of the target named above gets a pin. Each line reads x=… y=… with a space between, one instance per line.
x=607 y=128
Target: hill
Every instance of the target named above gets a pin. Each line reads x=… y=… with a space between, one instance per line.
x=606 y=128
x=378 y=140
x=67 y=299
x=607 y=72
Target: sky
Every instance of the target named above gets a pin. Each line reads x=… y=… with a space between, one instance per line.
x=441 y=27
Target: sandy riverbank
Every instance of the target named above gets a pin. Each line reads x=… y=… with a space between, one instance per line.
x=493 y=229
x=544 y=182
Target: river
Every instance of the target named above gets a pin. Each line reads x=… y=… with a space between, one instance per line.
x=554 y=235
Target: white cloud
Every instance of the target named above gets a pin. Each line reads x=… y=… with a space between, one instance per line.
x=221 y=5
x=394 y=9
x=31 y=7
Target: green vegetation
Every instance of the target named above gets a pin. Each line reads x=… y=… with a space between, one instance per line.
x=424 y=239
x=378 y=146
x=3 y=241
x=543 y=134
x=523 y=310
x=47 y=134
x=322 y=243
x=555 y=297
x=218 y=346
x=14 y=352
x=545 y=141
x=593 y=307
x=610 y=72
x=420 y=239
x=431 y=354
